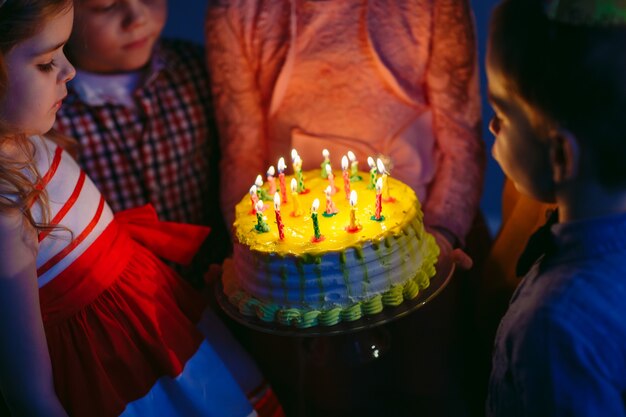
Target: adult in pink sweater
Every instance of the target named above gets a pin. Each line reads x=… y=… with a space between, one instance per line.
x=381 y=78
x=378 y=77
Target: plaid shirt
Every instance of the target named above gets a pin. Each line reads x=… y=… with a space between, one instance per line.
x=161 y=150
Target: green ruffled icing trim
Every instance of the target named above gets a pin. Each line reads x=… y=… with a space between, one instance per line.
x=267 y=312
x=394 y=297
x=289 y=317
x=428 y=267
x=330 y=317
x=250 y=306
x=410 y=290
x=309 y=319
x=373 y=306
x=352 y=313
x=421 y=279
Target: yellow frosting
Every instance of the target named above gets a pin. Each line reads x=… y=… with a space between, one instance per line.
x=299 y=232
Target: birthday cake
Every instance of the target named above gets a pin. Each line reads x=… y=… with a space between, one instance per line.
x=300 y=265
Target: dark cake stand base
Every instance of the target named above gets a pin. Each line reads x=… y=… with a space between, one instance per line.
x=361 y=368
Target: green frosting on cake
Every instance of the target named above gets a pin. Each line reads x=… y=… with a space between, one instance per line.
x=289 y=317
x=330 y=317
x=248 y=306
x=373 y=306
x=410 y=290
x=352 y=313
x=302 y=318
x=394 y=296
x=309 y=318
x=267 y=311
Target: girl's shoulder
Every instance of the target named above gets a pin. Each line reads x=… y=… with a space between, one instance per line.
x=45 y=152
x=18 y=244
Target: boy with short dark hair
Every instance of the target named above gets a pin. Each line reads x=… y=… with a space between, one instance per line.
x=558 y=91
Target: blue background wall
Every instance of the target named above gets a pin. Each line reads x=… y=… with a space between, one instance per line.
x=186 y=20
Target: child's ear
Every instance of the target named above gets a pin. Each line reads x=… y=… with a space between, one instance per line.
x=564 y=155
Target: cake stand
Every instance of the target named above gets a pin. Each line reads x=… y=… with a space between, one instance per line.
x=321 y=370
x=444 y=271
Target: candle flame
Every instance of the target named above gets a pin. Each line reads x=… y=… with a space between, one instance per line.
x=294 y=185
x=351 y=156
x=315 y=205
x=381 y=166
x=353 y=198
x=325 y=153
x=259 y=181
x=281 y=165
x=253 y=190
x=259 y=205
x=271 y=171
x=370 y=162
x=294 y=154
x=344 y=162
x=276 y=201
x=327 y=191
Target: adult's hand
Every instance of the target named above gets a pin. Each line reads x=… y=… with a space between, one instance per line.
x=448 y=251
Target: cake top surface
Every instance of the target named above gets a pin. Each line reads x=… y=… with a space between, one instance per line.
x=299 y=231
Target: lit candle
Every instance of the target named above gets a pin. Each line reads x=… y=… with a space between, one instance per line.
x=354 y=167
x=261 y=226
x=279 y=220
x=294 y=155
x=271 y=179
x=373 y=172
x=325 y=162
x=316 y=226
x=354 y=225
x=383 y=171
x=331 y=179
x=297 y=212
x=346 y=176
x=331 y=209
x=381 y=166
x=254 y=198
x=259 y=188
x=281 y=179
x=297 y=167
x=379 y=201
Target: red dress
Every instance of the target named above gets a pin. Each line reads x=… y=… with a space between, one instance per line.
x=126 y=335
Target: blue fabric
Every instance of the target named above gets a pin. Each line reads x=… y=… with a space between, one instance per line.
x=560 y=349
x=205 y=388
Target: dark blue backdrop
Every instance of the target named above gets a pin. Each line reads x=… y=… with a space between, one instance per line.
x=186 y=20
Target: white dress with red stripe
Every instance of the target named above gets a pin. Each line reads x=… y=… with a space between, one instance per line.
x=126 y=335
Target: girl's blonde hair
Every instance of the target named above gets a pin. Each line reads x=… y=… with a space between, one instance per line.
x=19 y=21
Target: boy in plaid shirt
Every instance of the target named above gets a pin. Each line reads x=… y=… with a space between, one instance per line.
x=140 y=107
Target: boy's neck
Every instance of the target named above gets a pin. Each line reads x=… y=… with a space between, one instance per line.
x=588 y=200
